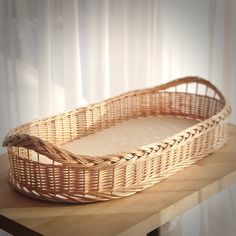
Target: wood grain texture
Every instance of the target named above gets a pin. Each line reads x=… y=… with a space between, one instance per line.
x=134 y=215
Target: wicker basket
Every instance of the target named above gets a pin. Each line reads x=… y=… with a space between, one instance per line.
x=79 y=178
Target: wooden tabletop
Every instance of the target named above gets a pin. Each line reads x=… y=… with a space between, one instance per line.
x=135 y=215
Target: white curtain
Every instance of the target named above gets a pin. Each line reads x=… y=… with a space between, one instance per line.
x=57 y=55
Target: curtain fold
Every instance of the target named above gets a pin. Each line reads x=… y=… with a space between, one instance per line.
x=229 y=52
x=44 y=56
x=71 y=53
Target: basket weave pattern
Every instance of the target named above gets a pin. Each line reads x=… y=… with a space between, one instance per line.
x=70 y=177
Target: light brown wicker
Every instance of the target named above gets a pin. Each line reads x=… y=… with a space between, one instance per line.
x=79 y=178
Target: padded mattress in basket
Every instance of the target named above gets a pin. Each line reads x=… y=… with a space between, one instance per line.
x=120 y=146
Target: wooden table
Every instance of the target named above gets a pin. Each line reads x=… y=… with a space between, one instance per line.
x=135 y=215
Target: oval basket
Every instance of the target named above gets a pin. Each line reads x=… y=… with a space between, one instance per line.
x=69 y=177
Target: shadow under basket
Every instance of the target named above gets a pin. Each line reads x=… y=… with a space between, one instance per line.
x=41 y=168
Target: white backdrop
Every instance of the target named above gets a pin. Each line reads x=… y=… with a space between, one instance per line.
x=56 y=55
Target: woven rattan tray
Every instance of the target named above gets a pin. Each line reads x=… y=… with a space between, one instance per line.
x=41 y=168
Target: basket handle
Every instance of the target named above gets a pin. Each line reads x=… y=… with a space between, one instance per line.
x=191 y=79
x=45 y=148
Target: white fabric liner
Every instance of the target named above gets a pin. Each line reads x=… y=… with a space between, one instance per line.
x=128 y=135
